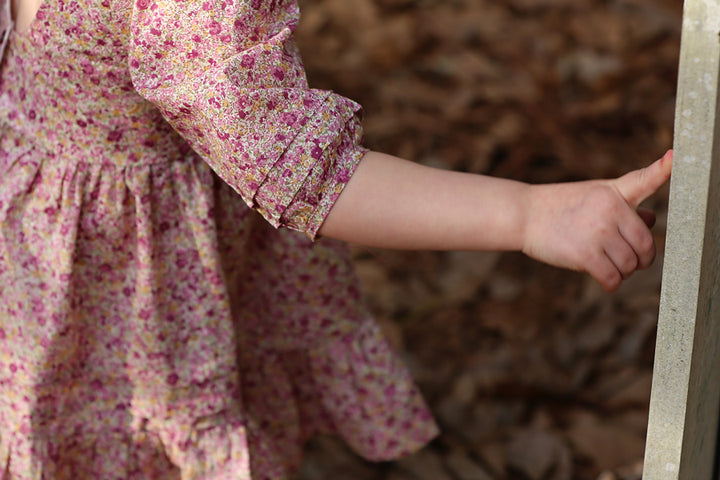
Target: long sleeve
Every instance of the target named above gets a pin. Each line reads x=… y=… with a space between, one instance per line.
x=228 y=77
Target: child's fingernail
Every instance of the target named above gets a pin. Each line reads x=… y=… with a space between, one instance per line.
x=665 y=158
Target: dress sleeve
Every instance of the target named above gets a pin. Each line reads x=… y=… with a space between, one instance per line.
x=228 y=77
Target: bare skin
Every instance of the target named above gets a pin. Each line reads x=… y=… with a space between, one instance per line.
x=23 y=13
x=592 y=226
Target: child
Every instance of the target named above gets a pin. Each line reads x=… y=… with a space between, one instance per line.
x=152 y=326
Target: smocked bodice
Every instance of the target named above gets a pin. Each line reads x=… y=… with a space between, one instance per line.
x=66 y=86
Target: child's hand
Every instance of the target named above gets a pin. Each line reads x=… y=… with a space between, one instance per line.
x=595 y=226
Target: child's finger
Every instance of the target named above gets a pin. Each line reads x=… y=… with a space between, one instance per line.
x=647 y=216
x=603 y=269
x=622 y=255
x=637 y=185
x=636 y=233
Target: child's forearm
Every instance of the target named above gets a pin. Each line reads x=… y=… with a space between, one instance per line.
x=590 y=226
x=394 y=203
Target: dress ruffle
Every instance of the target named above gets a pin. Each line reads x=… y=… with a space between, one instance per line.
x=260 y=437
x=215 y=453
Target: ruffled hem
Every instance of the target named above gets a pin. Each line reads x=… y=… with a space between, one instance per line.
x=354 y=388
x=218 y=453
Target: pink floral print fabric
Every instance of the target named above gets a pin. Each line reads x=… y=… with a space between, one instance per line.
x=153 y=322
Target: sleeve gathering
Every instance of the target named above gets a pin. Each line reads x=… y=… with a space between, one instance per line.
x=228 y=77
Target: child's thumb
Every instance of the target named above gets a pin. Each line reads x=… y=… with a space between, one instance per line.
x=638 y=185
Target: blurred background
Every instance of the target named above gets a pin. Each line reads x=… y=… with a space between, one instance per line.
x=532 y=372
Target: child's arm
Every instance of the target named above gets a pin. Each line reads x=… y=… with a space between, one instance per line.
x=589 y=226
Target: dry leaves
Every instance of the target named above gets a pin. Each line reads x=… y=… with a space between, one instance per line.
x=532 y=372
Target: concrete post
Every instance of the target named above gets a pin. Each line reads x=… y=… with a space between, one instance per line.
x=685 y=399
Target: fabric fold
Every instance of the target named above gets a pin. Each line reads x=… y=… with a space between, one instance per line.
x=384 y=397
x=208 y=453
x=353 y=387
x=306 y=194
x=206 y=449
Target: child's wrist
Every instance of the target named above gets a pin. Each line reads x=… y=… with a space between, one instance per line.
x=523 y=216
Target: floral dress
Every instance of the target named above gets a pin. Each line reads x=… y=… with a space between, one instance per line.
x=155 y=320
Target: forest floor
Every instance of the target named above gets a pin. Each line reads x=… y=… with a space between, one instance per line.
x=531 y=372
